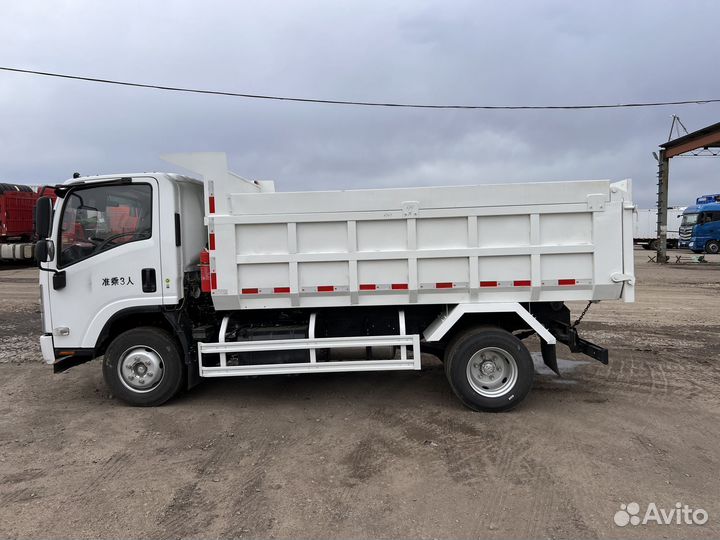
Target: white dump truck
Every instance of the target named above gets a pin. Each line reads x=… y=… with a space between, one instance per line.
x=171 y=279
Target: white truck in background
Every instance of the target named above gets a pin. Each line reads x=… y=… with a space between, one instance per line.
x=172 y=279
x=645 y=227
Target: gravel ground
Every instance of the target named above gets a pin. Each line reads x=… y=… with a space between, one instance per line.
x=376 y=454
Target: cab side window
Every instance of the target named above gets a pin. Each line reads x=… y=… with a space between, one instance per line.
x=709 y=217
x=97 y=219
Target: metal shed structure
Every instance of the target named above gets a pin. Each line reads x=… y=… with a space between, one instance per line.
x=704 y=139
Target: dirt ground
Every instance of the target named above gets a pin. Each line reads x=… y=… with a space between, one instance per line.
x=375 y=455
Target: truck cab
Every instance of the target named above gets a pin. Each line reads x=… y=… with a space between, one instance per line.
x=700 y=228
x=117 y=252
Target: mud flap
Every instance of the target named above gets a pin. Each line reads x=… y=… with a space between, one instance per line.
x=549 y=356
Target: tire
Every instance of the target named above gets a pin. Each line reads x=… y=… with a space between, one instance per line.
x=476 y=386
x=653 y=245
x=712 y=247
x=146 y=354
x=645 y=246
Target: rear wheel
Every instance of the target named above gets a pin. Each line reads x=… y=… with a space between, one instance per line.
x=489 y=369
x=712 y=247
x=653 y=245
x=143 y=367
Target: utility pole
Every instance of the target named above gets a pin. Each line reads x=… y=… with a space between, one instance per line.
x=662 y=205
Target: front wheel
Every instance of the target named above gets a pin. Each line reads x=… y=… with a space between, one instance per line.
x=712 y=247
x=489 y=369
x=143 y=367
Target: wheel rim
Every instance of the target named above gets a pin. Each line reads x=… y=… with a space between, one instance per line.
x=492 y=372
x=141 y=369
x=713 y=248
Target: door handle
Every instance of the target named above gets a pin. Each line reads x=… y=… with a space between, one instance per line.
x=148 y=280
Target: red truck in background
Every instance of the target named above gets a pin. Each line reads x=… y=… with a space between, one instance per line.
x=17 y=220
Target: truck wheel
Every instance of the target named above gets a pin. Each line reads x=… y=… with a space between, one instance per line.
x=712 y=247
x=143 y=367
x=489 y=369
x=653 y=245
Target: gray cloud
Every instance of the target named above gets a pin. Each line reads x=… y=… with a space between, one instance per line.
x=429 y=52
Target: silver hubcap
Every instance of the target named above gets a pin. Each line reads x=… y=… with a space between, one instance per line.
x=140 y=369
x=492 y=372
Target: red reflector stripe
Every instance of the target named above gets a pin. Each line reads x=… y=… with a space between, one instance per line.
x=281 y=290
x=521 y=283
x=212 y=240
x=566 y=282
x=367 y=287
x=211 y=204
x=250 y=291
x=399 y=286
x=325 y=288
x=213 y=280
x=488 y=283
x=444 y=285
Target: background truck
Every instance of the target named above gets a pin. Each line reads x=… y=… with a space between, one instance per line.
x=700 y=227
x=172 y=279
x=645 y=227
x=17 y=220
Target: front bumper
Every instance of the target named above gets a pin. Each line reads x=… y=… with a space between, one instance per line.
x=47 y=348
x=63 y=359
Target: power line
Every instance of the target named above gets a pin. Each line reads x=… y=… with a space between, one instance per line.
x=361 y=103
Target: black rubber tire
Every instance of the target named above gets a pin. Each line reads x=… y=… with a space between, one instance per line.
x=645 y=246
x=653 y=245
x=712 y=247
x=173 y=366
x=462 y=348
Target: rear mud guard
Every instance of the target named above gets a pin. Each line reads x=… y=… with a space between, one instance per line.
x=549 y=355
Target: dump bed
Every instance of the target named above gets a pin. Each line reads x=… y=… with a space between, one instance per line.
x=553 y=241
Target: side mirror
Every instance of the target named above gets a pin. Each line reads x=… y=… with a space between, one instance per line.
x=43 y=217
x=44 y=251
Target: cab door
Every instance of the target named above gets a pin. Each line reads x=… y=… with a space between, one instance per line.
x=107 y=245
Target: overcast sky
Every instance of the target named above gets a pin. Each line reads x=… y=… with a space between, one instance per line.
x=465 y=52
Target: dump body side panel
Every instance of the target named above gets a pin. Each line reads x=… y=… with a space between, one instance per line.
x=555 y=241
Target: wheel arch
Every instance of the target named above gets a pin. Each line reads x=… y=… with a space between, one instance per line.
x=127 y=319
x=508 y=320
x=508 y=316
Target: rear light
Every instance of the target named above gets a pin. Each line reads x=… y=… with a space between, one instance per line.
x=205 y=280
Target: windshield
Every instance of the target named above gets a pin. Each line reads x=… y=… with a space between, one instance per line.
x=100 y=218
x=689 y=219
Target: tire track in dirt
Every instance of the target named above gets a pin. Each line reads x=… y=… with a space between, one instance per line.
x=110 y=469
x=190 y=511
